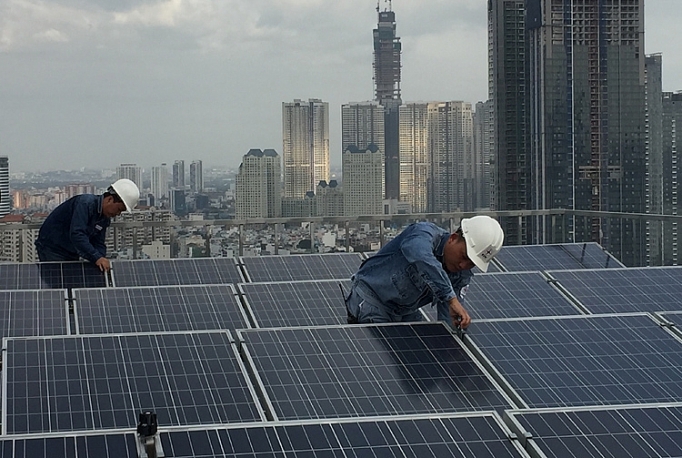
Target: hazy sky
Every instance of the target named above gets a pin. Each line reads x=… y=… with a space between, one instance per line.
x=95 y=83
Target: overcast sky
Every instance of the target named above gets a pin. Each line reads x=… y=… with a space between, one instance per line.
x=95 y=83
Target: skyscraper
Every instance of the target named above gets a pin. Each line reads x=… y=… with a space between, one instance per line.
x=179 y=174
x=387 y=51
x=196 y=177
x=362 y=175
x=451 y=177
x=414 y=155
x=305 y=132
x=672 y=139
x=483 y=149
x=569 y=103
x=362 y=124
x=258 y=185
x=131 y=172
x=159 y=182
x=655 y=199
x=4 y=186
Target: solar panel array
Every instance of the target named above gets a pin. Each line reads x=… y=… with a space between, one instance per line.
x=177 y=337
x=645 y=289
x=558 y=256
x=302 y=303
x=301 y=267
x=162 y=308
x=162 y=272
x=50 y=275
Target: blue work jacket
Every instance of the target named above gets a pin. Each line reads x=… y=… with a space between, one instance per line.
x=408 y=273
x=76 y=229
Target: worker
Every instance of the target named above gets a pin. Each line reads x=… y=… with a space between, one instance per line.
x=423 y=264
x=77 y=228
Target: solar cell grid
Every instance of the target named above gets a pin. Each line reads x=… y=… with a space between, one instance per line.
x=95 y=446
x=634 y=432
x=555 y=257
x=302 y=267
x=511 y=295
x=368 y=370
x=103 y=382
x=50 y=275
x=626 y=290
x=476 y=436
x=33 y=313
x=305 y=303
x=162 y=308
x=590 y=360
x=207 y=271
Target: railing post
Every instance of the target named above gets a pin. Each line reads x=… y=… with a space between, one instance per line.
x=312 y=236
x=276 y=238
x=135 y=242
x=553 y=228
x=241 y=240
x=347 y=224
x=520 y=227
x=381 y=233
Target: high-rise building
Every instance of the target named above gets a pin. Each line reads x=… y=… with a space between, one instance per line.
x=305 y=131
x=483 y=158
x=362 y=124
x=671 y=141
x=78 y=189
x=569 y=102
x=655 y=199
x=451 y=171
x=329 y=198
x=196 y=177
x=159 y=183
x=362 y=177
x=509 y=93
x=179 y=174
x=414 y=155
x=4 y=186
x=132 y=240
x=131 y=172
x=387 y=51
x=258 y=185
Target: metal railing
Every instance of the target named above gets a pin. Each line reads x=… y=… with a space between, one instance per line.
x=558 y=223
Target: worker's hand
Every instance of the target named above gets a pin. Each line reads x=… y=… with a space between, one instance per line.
x=460 y=317
x=103 y=264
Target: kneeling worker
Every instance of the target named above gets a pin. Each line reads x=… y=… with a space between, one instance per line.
x=423 y=264
x=77 y=228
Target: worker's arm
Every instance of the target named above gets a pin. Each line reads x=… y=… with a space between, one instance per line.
x=449 y=311
x=418 y=249
x=79 y=233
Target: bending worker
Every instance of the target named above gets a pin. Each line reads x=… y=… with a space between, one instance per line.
x=77 y=228
x=423 y=264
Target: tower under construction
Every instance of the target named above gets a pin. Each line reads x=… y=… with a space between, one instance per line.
x=387 y=50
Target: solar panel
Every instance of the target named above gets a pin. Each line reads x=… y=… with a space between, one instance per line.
x=305 y=303
x=473 y=436
x=33 y=313
x=555 y=257
x=50 y=275
x=588 y=360
x=371 y=370
x=162 y=272
x=509 y=295
x=633 y=432
x=103 y=382
x=646 y=289
x=83 y=446
x=160 y=308
x=302 y=267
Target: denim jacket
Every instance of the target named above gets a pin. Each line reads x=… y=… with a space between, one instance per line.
x=407 y=273
x=76 y=228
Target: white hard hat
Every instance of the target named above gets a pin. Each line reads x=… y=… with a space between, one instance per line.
x=128 y=191
x=484 y=238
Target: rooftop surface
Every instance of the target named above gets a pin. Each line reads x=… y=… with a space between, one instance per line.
x=569 y=354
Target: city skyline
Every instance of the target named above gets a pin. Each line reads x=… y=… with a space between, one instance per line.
x=159 y=81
